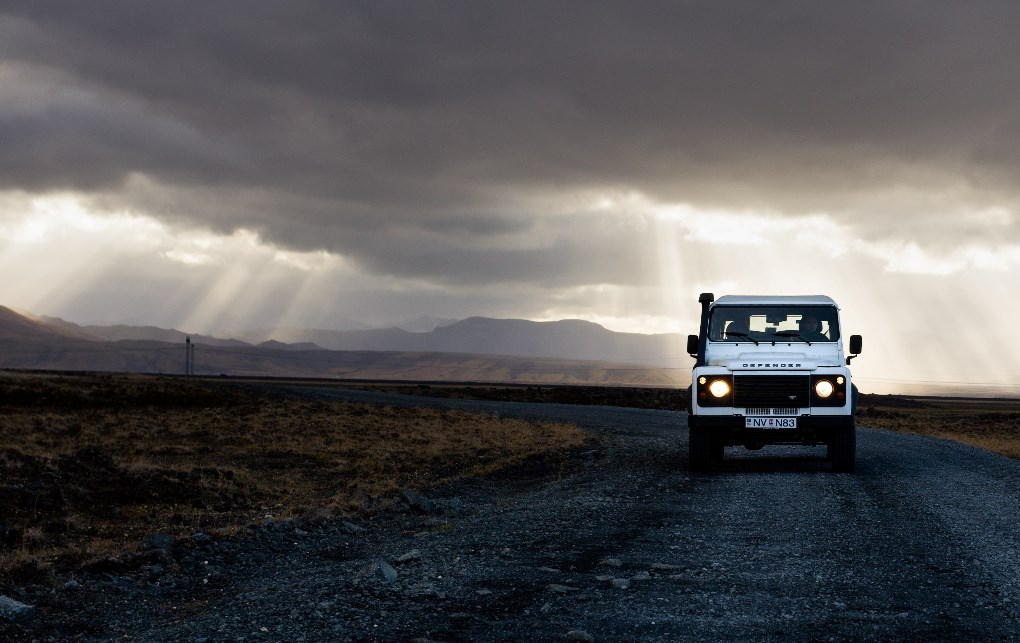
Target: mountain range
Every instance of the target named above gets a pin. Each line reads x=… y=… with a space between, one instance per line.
x=474 y=349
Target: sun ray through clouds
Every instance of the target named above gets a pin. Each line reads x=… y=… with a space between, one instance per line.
x=59 y=249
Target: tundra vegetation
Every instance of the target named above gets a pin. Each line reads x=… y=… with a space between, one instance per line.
x=91 y=466
x=990 y=424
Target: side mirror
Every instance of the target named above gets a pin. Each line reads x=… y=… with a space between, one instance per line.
x=855 y=348
x=855 y=344
x=692 y=345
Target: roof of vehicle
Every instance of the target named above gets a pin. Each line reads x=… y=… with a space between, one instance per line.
x=774 y=300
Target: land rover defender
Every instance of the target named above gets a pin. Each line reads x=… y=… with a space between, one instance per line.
x=770 y=370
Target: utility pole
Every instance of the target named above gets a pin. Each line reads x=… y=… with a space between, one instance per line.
x=189 y=357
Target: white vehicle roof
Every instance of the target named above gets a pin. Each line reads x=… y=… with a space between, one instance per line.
x=774 y=300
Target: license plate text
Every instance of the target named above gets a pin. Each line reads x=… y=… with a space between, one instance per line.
x=770 y=423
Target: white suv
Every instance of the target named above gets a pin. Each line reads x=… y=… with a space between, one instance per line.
x=770 y=370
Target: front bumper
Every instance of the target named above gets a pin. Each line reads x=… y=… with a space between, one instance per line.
x=811 y=429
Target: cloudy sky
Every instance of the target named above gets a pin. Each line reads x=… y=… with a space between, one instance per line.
x=217 y=165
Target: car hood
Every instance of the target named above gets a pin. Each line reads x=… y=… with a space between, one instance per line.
x=767 y=358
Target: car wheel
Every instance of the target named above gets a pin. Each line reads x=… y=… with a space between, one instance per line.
x=843 y=450
x=699 y=450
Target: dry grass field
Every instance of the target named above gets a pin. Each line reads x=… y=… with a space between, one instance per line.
x=91 y=465
x=643 y=397
x=993 y=425
x=989 y=424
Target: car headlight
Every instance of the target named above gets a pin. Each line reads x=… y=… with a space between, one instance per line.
x=824 y=388
x=719 y=388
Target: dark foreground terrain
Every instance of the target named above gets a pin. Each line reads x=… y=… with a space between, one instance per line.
x=622 y=543
x=92 y=467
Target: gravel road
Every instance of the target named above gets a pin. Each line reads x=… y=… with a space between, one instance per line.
x=920 y=543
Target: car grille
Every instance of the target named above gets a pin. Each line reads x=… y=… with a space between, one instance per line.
x=770 y=410
x=771 y=390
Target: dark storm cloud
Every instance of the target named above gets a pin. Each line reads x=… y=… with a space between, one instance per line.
x=330 y=125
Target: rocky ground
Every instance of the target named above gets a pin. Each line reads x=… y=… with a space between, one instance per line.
x=625 y=544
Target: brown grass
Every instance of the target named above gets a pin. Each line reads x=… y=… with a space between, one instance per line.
x=90 y=465
x=643 y=397
x=993 y=425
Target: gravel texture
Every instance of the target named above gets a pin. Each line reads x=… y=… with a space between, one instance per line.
x=920 y=543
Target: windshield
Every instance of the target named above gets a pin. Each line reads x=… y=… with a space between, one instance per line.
x=773 y=323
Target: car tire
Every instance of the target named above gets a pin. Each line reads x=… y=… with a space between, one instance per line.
x=699 y=450
x=718 y=451
x=843 y=449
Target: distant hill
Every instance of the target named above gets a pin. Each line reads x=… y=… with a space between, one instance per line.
x=465 y=351
x=414 y=366
x=567 y=339
x=570 y=339
x=331 y=338
x=424 y=324
x=121 y=332
x=18 y=327
x=293 y=335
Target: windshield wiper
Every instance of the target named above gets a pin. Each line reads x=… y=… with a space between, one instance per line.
x=743 y=335
x=793 y=333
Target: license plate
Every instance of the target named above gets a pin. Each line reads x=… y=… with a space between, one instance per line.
x=770 y=423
